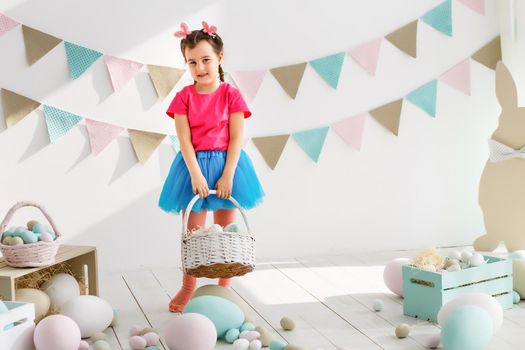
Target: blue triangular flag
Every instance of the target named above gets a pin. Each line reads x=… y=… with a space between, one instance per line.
x=59 y=122
x=174 y=142
x=329 y=68
x=311 y=141
x=79 y=58
x=425 y=97
x=440 y=17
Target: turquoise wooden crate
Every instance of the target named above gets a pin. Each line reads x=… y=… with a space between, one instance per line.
x=425 y=292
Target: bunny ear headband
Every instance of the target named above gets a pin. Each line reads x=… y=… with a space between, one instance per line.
x=206 y=28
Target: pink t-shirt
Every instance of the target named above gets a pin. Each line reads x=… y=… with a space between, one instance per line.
x=208 y=114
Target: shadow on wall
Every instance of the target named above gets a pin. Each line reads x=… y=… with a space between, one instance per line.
x=139 y=232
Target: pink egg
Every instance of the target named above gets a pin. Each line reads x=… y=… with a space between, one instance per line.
x=393 y=275
x=84 y=345
x=137 y=342
x=46 y=237
x=57 y=332
x=151 y=338
x=250 y=335
x=135 y=330
x=190 y=331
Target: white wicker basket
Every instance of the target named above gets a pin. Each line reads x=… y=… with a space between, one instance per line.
x=222 y=254
x=32 y=254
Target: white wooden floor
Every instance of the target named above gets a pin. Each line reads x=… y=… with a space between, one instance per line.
x=328 y=297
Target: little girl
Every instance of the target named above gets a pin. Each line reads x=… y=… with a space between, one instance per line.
x=209 y=118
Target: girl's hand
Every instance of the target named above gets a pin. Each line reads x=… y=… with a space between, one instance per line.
x=224 y=186
x=199 y=186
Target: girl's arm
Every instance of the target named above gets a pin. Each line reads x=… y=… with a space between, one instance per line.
x=236 y=127
x=198 y=181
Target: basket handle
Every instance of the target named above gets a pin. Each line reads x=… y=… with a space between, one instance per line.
x=196 y=198
x=22 y=204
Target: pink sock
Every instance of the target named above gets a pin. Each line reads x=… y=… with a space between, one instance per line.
x=180 y=300
x=225 y=282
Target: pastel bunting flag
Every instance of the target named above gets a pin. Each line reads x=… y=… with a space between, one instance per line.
x=389 y=115
x=6 y=24
x=37 y=43
x=249 y=82
x=101 y=134
x=164 y=79
x=121 y=71
x=329 y=68
x=79 y=58
x=440 y=17
x=144 y=143
x=16 y=107
x=458 y=77
x=290 y=77
x=174 y=140
x=425 y=97
x=367 y=55
x=405 y=38
x=351 y=130
x=271 y=148
x=311 y=141
x=490 y=54
x=59 y=122
x=475 y=5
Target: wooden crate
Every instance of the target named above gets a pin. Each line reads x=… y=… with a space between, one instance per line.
x=81 y=259
x=425 y=292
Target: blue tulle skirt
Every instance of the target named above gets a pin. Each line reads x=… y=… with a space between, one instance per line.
x=177 y=192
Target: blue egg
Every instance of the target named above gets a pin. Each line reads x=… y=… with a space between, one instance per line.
x=247 y=326
x=26 y=235
x=278 y=345
x=518 y=254
x=223 y=313
x=468 y=327
x=152 y=347
x=39 y=228
x=232 y=335
x=516 y=297
x=9 y=233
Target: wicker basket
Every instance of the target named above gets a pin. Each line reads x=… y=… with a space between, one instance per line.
x=32 y=254
x=222 y=254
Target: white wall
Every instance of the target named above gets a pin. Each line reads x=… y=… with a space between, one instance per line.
x=412 y=191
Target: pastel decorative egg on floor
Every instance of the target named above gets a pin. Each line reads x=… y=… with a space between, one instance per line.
x=101 y=345
x=402 y=330
x=484 y=301
x=467 y=327
x=393 y=275
x=84 y=345
x=57 y=332
x=190 y=331
x=255 y=344
x=137 y=342
x=516 y=297
x=232 y=335
x=91 y=313
x=219 y=291
x=432 y=341
x=224 y=314
x=276 y=345
x=287 y=323
x=151 y=338
x=241 y=344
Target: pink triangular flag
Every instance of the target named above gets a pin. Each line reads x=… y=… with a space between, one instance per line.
x=351 y=130
x=458 y=77
x=249 y=82
x=121 y=71
x=101 y=134
x=476 y=5
x=367 y=55
x=6 y=24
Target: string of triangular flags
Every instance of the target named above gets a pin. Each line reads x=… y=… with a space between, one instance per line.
x=121 y=71
x=101 y=134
